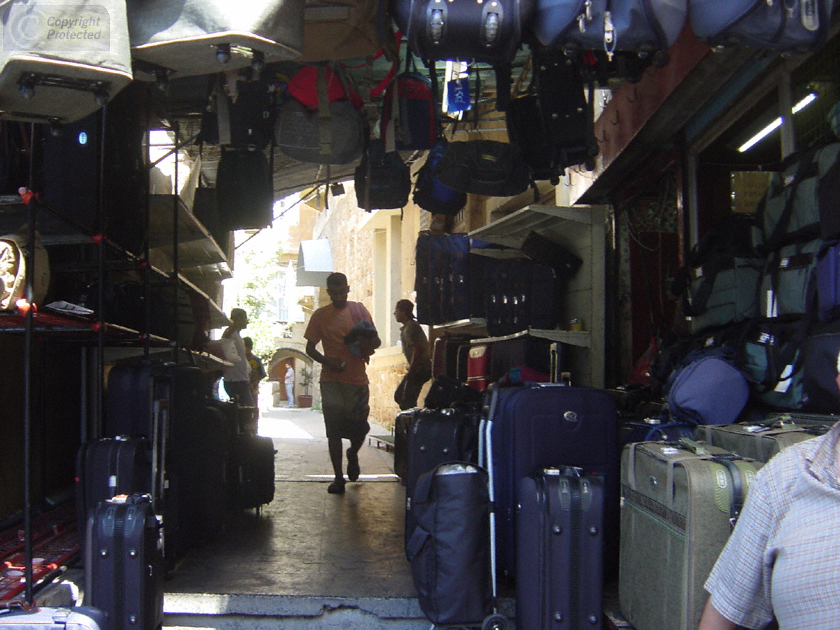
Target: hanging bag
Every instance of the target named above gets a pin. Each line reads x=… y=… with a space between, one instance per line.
x=783 y=25
x=647 y=27
x=383 y=180
x=47 y=78
x=484 y=167
x=430 y=193
x=331 y=133
x=192 y=37
x=409 y=121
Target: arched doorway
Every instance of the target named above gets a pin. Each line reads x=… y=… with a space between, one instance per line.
x=276 y=369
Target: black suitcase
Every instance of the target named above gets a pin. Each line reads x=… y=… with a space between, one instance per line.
x=402 y=426
x=559 y=544
x=449 y=550
x=438 y=436
x=254 y=469
x=124 y=563
x=108 y=467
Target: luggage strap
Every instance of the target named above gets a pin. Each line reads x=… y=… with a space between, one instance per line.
x=737 y=501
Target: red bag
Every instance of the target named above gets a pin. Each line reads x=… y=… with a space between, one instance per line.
x=412 y=112
x=304 y=87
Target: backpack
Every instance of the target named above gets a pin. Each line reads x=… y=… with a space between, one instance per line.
x=432 y=195
x=784 y=26
x=409 y=117
x=484 y=167
x=336 y=137
x=788 y=284
x=647 y=27
x=244 y=190
x=383 y=180
x=244 y=123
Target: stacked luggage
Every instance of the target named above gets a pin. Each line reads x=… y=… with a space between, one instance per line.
x=169 y=475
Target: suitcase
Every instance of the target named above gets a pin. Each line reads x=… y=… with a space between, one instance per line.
x=456 y=294
x=559 y=540
x=402 y=427
x=108 y=467
x=449 y=550
x=254 y=469
x=38 y=618
x=542 y=426
x=46 y=80
x=678 y=506
x=199 y=37
x=124 y=563
x=756 y=441
x=478 y=366
x=437 y=436
x=422 y=279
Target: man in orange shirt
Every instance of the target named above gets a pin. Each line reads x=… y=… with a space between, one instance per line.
x=344 y=382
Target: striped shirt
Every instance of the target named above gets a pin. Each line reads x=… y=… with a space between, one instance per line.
x=783 y=558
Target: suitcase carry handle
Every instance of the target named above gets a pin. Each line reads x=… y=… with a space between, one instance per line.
x=737 y=503
x=693 y=445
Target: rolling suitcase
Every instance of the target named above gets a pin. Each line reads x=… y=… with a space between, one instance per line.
x=254 y=471
x=124 y=563
x=437 y=436
x=544 y=425
x=679 y=504
x=449 y=550
x=45 y=79
x=38 y=618
x=478 y=366
x=559 y=540
x=402 y=427
x=199 y=37
x=756 y=441
x=108 y=467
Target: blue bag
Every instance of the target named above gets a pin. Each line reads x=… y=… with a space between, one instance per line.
x=429 y=193
x=828 y=282
x=708 y=388
x=785 y=26
x=647 y=27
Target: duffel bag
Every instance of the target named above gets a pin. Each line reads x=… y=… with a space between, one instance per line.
x=707 y=388
x=785 y=26
x=648 y=27
x=192 y=37
x=771 y=359
x=798 y=205
x=483 y=167
x=788 y=283
x=820 y=352
x=383 y=180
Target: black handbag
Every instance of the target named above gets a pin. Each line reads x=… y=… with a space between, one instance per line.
x=383 y=180
x=484 y=167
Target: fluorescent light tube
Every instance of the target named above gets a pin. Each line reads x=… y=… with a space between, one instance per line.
x=776 y=124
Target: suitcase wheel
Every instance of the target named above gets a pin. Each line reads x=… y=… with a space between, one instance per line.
x=495 y=622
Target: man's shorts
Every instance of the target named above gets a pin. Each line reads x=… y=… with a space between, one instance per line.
x=346 y=408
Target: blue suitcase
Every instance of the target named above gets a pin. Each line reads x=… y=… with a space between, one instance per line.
x=559 y=541
x=549 y=425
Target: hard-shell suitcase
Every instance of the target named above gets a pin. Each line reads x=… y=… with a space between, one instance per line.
x=559 y=542
x=124 y=563
x=108 y=467
x=38 y=618
x=254 y=470
x=199 y=37
x=402 y=427
x=545 y=425
x=437 y=436
x=46 y=78
x=756 y=441
x=678 y=505
x=449 y=550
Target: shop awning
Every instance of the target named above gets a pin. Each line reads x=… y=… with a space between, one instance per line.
x=314 y=263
